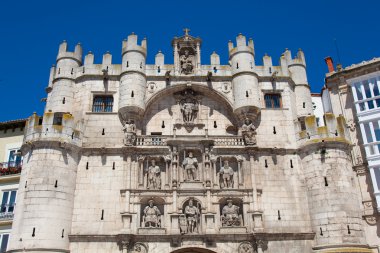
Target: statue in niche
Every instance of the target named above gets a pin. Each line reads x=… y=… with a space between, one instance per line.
x=152 y=216
x=190 y=218
x=190 y=165
x=129 y=129
x=227 y=175
x=230 y=215
x=189 y=109
x=187 y=62
x=248 y=131
x=154 y=176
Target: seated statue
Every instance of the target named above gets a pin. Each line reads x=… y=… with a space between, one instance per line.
x=227 y=175
x=248 y=131
x=152 y=216
x=230 y=215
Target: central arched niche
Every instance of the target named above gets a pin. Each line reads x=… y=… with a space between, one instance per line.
x=214 y=115
x=193 y=250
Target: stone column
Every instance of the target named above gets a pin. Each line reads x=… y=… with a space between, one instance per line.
x=253 y=179
x=128 y=182
x=176 y=67
x=141 y=171
x=240 y=173
x=167 y=178
x=198 y=58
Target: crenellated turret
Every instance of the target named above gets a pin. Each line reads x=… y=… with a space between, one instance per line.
x=244 y=79
x=132 y=80
x=61 y=90
x=297 y=71
x=334 y=201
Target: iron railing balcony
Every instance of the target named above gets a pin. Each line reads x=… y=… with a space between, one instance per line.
x=10 y=168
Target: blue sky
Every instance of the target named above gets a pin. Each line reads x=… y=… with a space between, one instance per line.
x=32 y=30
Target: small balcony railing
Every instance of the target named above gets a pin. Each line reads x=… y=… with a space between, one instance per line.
x=7 y=211
x=10 y=168
x=160 y=140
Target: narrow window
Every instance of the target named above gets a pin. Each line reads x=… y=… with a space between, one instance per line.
x=140 y=65
x=103 y=133
x=274 y=130
x=291 y=163
x=64 y=100
x=302 y=123
x=279 y=215
x=127 y=64
x=326 y=183
x=163 y=124
x=158 y=69
x=321 y=233
x=113 y=165
x=270 y=70
x=56 y=184
x=265 y=163
x=348 y=229
x=87 y=166
x=132 y=94
x=26 y=184
x=102 y=104
x=215 y=70
x=237 y=65
x=59 y=71
x=40 y=121
x=34 y=232
x=72 y=71
x=272 y=100
x=215 y=125
x=304 y=105
x=63 y=233
x=4 y=242
x=246 y=94
x=102 y=217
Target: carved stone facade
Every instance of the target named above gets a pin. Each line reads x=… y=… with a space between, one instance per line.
x=189 y=158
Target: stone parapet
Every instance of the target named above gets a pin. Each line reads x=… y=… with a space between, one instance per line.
x=45 y=129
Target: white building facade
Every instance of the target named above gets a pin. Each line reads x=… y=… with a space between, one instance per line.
x=185 y=157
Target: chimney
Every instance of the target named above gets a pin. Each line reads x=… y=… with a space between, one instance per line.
x=330 y=64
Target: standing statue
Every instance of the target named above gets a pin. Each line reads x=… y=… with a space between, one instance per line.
x=187 y=62
x=129 y=129
x=152 y=215
x=192 y=214
x=154 y=176
x=230 y=215
x=189 y=109
x=190 y=164
x=227 y=175
x=248 y=131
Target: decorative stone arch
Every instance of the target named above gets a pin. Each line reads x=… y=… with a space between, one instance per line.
x=204 y=90
x=193 y=250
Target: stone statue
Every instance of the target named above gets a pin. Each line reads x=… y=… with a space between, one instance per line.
x=187 y=62
x=190 y=164
x=189 y=110
x=246 y=247
x=192 y=214
x=154 y=176
x=152 y=216
x=248 y=131
x=230 y=215
x=129 y=129
x=227 y=175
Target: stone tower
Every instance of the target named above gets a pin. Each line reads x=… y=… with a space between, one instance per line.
x=185 y=157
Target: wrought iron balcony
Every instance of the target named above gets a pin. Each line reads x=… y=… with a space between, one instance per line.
x=7 y=211
x=10 y=168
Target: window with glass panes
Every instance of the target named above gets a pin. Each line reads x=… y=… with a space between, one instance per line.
x=14 y=158
x=371 y=136
x=366 y=94
x=102 y=104
x=272 y=100
x=3 y=242
x=8 y=201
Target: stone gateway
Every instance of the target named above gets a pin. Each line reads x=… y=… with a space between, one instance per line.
x=185 y=157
